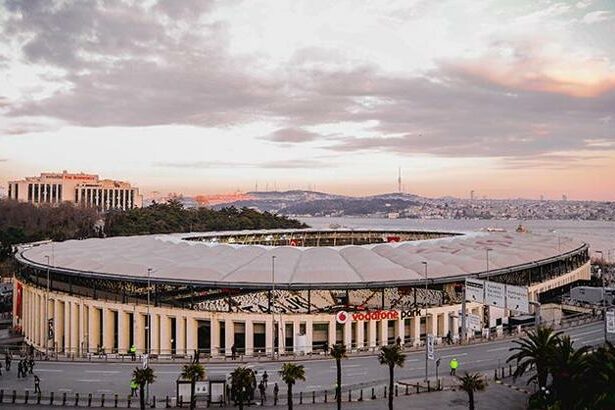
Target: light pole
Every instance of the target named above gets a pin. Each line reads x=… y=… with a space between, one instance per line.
x=149 y=331
x=47 y=311
x=426 y=327
x=487 y=311
x=272 y=307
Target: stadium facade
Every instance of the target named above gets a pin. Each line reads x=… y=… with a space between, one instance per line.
x=288 y=291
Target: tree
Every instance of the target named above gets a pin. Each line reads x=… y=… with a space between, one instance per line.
x=290 y=373
x=241 y=382
x=600 y=379
x=471 y=383
x=143 y=377
x=535 y=351
x=568 y=369
x=391 y=356
x=338 y=352
x=193 y=372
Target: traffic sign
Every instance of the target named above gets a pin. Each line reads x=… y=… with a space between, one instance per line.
x=517 y=299
x=431 y=354
x=473 y=322
x=475 y=290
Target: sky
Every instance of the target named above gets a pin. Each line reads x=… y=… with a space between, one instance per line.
x=509 y=98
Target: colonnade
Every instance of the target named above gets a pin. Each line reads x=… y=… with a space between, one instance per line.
x=81 y=326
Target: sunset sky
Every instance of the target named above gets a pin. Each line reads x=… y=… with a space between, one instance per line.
x=510 y=98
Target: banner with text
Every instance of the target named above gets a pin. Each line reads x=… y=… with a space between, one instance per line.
x=475 y=290
x=495 y=294
x=517 y=299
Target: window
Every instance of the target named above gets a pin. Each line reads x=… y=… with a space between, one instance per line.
x=30 y=192
x=10 y=191
x=36 y=186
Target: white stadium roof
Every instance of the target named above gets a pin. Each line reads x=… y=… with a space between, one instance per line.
x=172 y=258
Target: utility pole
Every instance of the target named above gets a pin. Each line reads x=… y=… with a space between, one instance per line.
x=272 y=307
x=149 y=329
x=426 y=332
x=47 y=311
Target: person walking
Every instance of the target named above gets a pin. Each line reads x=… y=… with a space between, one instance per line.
x=0 y=369
x=20 y=370
x=133 y=388
x=261 y=389
x=454 y=364
x=31 y=364
x=233 y=352
x=133 y=352
x=37 y=384
x=265 y=378
x=7 y=361
x=276 y=390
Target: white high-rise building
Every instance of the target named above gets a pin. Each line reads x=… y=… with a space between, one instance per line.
x=82 y=189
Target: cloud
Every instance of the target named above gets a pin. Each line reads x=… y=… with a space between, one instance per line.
x=280 y=164
x=294 y=135
x=598 y=16
x=3 y=159
x=551 y=161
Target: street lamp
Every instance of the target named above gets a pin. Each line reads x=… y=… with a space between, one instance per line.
x=47 y=311
x=487 y=308
x=272 y=306
x=149 y=331
x=426 y=332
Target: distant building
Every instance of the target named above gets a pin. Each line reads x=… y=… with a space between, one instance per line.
x=82 y=189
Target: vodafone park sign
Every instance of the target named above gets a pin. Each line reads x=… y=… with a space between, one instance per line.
x=342 y=316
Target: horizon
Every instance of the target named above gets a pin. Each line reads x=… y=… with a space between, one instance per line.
x=512 y=100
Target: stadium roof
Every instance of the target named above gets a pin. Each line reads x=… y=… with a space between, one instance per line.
x=173 y=259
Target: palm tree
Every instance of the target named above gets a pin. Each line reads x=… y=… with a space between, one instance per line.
x=535 y=351
x=470 y=383
x=193 y=372
x=601 y=378
x=241 y=382
x=391 y=356
x=568 y=369
x=290 y=373
x=142 y=377
x=338 y=352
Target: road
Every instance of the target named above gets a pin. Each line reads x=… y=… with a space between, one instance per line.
x=96 y=378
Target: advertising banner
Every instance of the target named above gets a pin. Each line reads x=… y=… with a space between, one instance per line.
x=495 y=294
x=475 y=290
x=517 y=299
x=431 y=355
x=473 y=322
x=610 y=321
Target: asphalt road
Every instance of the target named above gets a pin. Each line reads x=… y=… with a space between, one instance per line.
x=96 y=378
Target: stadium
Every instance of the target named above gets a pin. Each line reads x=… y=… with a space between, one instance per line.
x=283 y=291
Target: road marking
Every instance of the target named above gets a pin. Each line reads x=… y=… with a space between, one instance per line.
x=453 y=355
x=498 y=349
x=163 y=372
x=49 y=370
x=412 y=360
x=89 y=380
x=586 y=333
x=66 y=390
x=103 y=371
x=313 y=386
x=356 y=374
x=346 y=365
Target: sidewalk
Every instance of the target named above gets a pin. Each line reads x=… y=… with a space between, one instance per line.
x=495 y=396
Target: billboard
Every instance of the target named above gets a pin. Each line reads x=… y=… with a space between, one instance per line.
x=475 y=290
x=517 y=299
x=610 y=321
x=495 y=294
x=473 y=322
x=431 y=354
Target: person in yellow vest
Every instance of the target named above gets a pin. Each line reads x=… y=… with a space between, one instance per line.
x=133 y=352
x=454 y=364
x=133 y=388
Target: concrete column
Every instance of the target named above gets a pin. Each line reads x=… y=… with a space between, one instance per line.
x=296 y=331
x=445 y=324
x=309 y=333
x=74 y=327
x=43 y=325
x=215 y=336
x=165 y=334
x=108 y=327
x=371 y=334
x=155 y=333
x=249 y=337
x=430 y=327
x=229 y=336
x=268 y=336
x=348 y=335
x=332 y=331
x=360 y=333
x=400 y=330
x=139 y=331
x=94 y=328
x=82 y=329
x=455 y=330
x=123 y=328
x=415 y=330
x=384 y=332
x=180 y=334
x=68 y=321
x=191 y=335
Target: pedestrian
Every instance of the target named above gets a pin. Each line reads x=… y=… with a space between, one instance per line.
x=0 y=369
x=133 y=388
x=276 y=390
x=265 y=378
x=19 y=369
x=31 y=364
x=133 y=352
x=449 y=338
x=37 y=384
x=7 y=361
x=261 y=389
x=454 y=364
x=233 y=352
x=398 y=341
